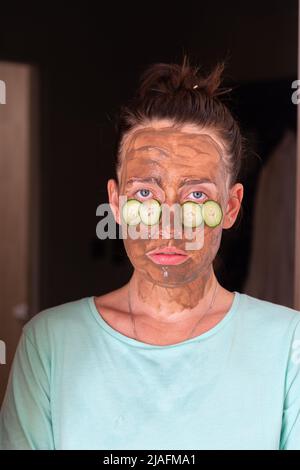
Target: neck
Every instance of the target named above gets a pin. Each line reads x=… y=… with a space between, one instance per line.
x=171 y=304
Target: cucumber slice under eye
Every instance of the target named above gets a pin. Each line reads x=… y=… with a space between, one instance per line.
x=150 y=211
x=191 y=214
x=130 y=212
x=212 y=213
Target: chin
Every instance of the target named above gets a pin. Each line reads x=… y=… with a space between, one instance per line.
x=174 y=278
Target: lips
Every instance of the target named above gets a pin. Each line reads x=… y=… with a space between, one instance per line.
x=167 y=255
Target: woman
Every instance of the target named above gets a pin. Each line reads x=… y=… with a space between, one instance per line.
x=171 y=360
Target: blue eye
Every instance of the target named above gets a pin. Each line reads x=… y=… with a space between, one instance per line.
x=198 y=194
x=144 y=192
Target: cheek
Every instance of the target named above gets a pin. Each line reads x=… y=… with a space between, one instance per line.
x=212 y=238
x=215 y=237
x=211 y=244
x=136 y=249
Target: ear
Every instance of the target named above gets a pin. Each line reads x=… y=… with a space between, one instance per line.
x=113 y=196
x=235 y=198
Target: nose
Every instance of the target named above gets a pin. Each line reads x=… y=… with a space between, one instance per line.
x=170 y=224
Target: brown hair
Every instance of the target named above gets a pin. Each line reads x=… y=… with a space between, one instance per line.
x=181 y=94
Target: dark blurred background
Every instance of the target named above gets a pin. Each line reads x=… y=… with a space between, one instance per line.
x=88 y=62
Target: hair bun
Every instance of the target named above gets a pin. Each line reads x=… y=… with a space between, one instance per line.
x=174 y=78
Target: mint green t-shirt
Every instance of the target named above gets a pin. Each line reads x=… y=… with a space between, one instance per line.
x=77 y=383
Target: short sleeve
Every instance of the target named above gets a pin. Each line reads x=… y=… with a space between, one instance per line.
x=290 y=433
x=25 y=418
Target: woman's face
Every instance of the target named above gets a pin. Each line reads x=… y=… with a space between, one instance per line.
x=174 y=166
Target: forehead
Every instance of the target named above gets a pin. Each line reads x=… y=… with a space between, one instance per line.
x=169 y=145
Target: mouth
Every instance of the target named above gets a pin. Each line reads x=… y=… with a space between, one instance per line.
x=167 y=255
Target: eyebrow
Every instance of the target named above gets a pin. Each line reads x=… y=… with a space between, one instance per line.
x=158 y=181
x=150 y=179
x=190 y=182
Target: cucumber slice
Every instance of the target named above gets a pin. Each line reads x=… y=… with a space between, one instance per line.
x=130 y=212
x=191 y=214
x=212 y=213
x=150 y=211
